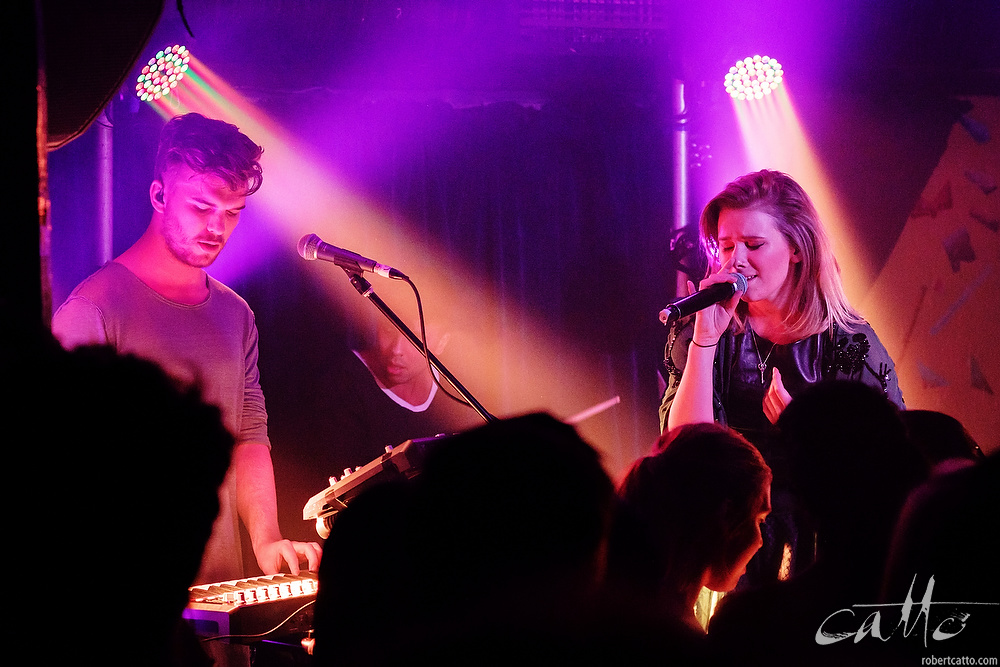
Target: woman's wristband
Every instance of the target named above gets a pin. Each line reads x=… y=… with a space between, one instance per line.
x=697 y=344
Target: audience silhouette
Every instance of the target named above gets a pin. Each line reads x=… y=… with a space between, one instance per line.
x=853 y=468
x=690 y=517
x=942 y=439
x=124 y=467
x=494 y=552
x=511 y=545
x=942 y=548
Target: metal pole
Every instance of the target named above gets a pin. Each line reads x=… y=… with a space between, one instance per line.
x=105 y=188
x=681 y=168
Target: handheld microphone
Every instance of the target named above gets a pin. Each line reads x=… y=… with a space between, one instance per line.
x=702 y=299
x=312 y=247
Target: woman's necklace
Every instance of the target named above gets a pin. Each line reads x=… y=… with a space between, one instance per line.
x=761 y=363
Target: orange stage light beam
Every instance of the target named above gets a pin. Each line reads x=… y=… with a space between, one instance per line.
x=774 y=139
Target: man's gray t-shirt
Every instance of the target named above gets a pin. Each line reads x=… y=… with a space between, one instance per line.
x=213 y=344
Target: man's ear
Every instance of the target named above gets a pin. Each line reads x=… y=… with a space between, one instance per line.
x=156 y=195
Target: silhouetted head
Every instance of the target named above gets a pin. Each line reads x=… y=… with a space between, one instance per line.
x=939 y=437
x=125 y=464
x=695 y=506
x=516 y=500
x=501 y=533
x=852 y=465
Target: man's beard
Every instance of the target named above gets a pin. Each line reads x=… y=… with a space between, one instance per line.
x=185 y=250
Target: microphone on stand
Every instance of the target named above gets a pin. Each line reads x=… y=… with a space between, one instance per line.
x=702 y=299
x=312 y=247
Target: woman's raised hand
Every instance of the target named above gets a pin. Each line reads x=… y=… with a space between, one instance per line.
x=710 y=323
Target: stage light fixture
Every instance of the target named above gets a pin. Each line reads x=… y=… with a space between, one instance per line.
x=162 y=73
x=753 y=77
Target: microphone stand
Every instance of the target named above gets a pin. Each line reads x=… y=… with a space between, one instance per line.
x=364 y=288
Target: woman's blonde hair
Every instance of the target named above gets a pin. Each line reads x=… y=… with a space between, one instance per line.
x=817 y=299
